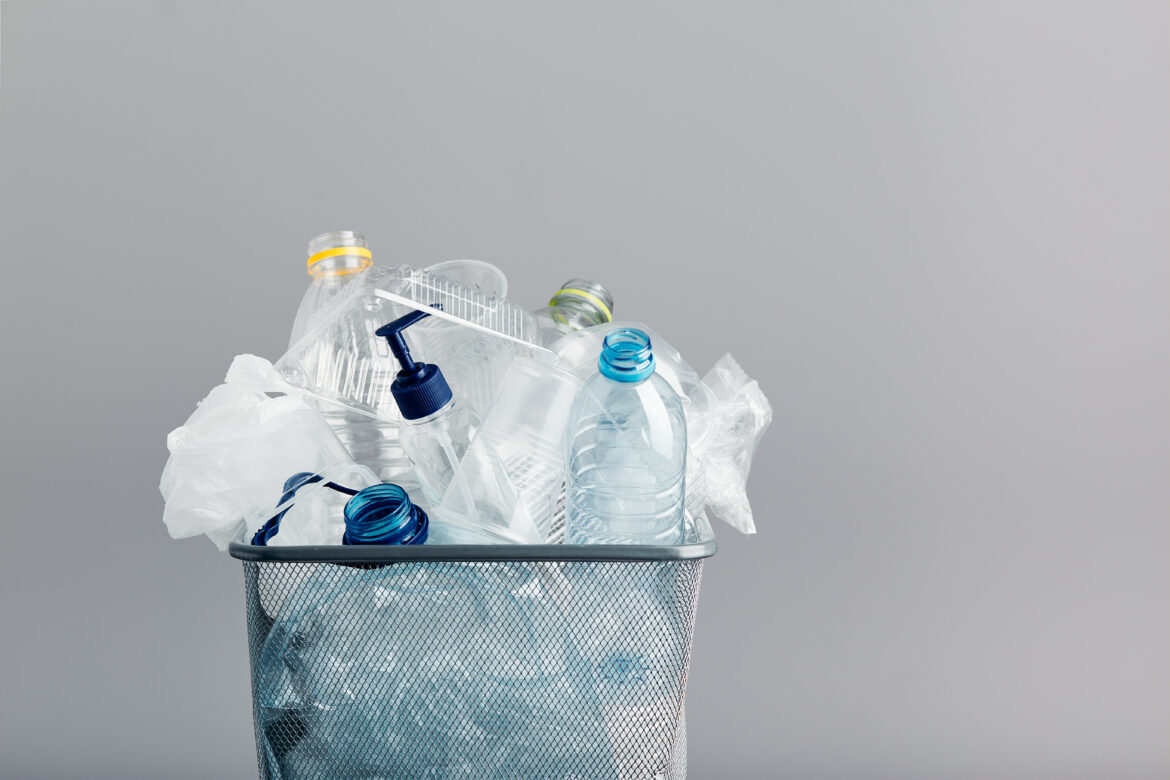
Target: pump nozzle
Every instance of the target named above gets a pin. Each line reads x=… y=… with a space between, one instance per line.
x=420 y=388
x=392 y=332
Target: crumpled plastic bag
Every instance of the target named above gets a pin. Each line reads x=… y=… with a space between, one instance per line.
x=742 y=417
x=231 y=458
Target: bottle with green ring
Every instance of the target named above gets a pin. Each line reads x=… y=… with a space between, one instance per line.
x=580 y=303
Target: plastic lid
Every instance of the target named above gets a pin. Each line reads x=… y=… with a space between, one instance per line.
x=384 y=514
x=422 y=392
x=626 y=355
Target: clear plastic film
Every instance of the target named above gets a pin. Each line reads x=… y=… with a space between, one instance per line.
x=229 y=460
x=743 y=416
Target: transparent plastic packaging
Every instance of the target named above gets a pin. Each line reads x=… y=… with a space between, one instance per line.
x=626 y=447
x=371 y=700
x=341 y=360
x=507 y=486
x=744 y=415
x=478 y=275
x=229 y=460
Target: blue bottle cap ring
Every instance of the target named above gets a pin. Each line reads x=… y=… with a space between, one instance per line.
x=626 y=355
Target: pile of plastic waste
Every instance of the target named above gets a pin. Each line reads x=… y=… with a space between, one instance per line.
x=422 y=407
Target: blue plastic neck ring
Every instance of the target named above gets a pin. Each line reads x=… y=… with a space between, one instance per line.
x=626 y=355
x=384 y=514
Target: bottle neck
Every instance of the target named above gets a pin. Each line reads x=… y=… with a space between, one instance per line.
x=339 y=269
x=439 y=415
x=338 y=254
x=581 y=303
x=626 y=356
x=384 y=514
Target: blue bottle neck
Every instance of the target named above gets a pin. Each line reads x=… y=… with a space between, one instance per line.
x=384 y=514
x=626 y=356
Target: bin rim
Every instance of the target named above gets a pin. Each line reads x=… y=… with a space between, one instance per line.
x=460 y=553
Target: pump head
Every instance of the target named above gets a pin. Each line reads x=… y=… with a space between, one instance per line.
x=420 y=389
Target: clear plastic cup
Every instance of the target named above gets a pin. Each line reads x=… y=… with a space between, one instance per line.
x=508 y=483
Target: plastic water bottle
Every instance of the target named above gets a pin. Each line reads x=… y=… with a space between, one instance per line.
x=336 y=260
x=626 y=450
x=579 y=304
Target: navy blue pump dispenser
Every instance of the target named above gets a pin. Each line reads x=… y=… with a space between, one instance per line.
x=420 y=389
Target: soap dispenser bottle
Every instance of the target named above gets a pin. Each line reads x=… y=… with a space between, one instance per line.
x=438 y=427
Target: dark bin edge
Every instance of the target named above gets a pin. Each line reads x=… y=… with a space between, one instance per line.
x=472 y=552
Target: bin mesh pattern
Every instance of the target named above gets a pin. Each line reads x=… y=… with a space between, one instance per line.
x=551 y=670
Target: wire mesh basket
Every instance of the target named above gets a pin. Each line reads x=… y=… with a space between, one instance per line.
x=557 y=662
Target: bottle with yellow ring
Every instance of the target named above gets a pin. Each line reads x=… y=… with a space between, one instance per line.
x=336 y=260
x=579 y=304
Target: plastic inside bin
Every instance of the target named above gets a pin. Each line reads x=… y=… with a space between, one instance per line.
x=444 y=661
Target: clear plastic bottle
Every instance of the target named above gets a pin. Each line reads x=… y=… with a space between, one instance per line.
x=436 y=443
x=626 y=447
x=437 y=428
x=579 y=304
x=336 y=260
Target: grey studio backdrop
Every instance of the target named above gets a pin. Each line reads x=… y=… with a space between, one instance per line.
x=936 y=233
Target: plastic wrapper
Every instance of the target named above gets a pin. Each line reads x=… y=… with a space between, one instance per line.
x=743 y=416
x=229 y=460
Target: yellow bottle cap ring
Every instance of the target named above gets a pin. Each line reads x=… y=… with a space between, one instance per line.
x=600 y=304
x=353 y=251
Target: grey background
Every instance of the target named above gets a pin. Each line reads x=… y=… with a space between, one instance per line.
x=938 y=234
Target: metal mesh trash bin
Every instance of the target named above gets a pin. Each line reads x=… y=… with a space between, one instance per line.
x=536 y=661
